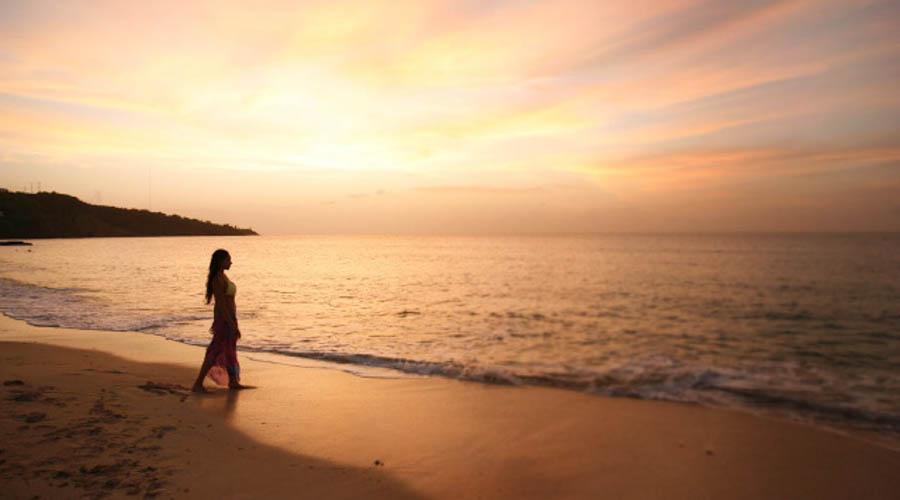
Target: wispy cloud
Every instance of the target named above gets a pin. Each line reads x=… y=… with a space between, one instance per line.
x=490 y=190
x=701 y=169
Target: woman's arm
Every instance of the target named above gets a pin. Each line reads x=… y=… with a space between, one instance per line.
x=234 y=317
x=233 y=314
x=222 y=304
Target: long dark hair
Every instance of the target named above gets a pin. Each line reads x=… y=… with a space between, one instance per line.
x=215 y=265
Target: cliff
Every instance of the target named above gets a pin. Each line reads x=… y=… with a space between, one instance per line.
x=55 y=215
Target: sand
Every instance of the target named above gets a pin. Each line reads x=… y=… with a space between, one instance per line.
x=97 y=414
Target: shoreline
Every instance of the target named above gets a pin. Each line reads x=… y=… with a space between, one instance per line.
x=433 y=437
x=399 y=368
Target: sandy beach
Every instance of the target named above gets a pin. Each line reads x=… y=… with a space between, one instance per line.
x=108 y=414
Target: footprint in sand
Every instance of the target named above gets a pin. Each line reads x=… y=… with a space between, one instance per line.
x=25 y=396
x=30 y=418
x=163 y=389
x=160 y=432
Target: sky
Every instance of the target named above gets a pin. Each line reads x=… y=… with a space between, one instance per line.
x=461 y=117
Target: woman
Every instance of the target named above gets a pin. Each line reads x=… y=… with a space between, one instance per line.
x=221 y=363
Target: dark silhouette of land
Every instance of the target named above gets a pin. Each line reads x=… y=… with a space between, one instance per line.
x=56 y=215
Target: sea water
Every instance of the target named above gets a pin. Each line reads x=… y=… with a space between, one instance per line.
x=804 y=325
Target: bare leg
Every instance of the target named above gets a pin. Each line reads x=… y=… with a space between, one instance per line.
x=204 y=369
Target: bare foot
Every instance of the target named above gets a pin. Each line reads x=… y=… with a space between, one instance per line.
x=199 y=389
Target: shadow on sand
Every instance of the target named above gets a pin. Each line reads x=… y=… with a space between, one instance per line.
x=85 y=422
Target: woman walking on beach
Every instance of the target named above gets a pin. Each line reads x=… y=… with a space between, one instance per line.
x=221 y=363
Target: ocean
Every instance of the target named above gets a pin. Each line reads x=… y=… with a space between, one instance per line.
x=804 y=326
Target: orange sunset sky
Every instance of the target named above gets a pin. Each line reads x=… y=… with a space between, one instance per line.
x=461 y=117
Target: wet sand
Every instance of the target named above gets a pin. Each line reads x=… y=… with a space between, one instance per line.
x=109 y=414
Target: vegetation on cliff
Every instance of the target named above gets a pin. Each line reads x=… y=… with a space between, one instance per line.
x=55 y=215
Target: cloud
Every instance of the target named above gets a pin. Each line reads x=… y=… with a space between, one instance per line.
x=668 y=31
x=694 y=170
x=483 y=190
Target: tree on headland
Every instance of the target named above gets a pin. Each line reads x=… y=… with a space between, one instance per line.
x=56 y=215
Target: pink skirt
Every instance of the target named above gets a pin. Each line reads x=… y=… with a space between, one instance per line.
x=223 y=352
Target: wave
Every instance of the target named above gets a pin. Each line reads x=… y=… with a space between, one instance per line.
x=700 y=385
x=747 y=387
x=74 y=307
x=697 y=385
x=821 y=411
x=109 y=325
